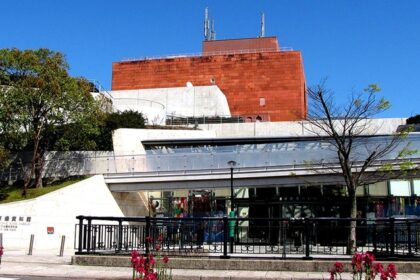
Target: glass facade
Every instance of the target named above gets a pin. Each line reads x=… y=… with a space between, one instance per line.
x=416 y=187
x=383 y=199
x=175 y=155
x=400 y=187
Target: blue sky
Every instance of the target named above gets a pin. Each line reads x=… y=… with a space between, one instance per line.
x=352 y=43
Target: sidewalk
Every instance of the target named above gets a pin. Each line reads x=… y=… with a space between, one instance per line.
x=47 y=263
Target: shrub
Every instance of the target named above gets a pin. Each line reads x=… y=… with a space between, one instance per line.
x=414 y=120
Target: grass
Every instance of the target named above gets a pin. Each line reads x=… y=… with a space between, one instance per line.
x=14 y=193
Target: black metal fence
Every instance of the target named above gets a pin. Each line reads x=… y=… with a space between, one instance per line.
x=247 y=237
x=178 y=120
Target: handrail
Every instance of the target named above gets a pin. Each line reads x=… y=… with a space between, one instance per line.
x=119 y=99
x=305 y=238
x=141 y=218
x=227 y=52
x=157 y=171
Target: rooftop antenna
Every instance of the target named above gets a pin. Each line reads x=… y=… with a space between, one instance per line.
x=206 y=25
x=262 y=25
x=213 y=33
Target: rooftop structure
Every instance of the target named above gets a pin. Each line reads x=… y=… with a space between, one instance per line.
x=261 y=81
x=262 y=44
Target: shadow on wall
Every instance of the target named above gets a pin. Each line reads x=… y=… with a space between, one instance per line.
x=131 y=203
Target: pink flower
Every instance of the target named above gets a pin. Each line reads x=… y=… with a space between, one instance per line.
x=149 y=239
x=369 y=258
x=339 y=267
x=384 y=275
x=152 y=260
x=392 y=271
x=134 y=253
x=378 y=267
x=135 y=258
x=151 y=276
x=141 y=269
x=356 y=262
x=157 y=247
x=1 y=251
x=165 y=259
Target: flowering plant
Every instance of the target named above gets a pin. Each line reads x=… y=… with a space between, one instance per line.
x=365 y=267
x=365 y=263
x=150 y=266
x=336 y=270
x=1 y=252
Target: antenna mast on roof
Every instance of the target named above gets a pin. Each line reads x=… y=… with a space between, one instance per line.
x=213 y=33
x=206 y=25
x=209 y=33
x=262 y=25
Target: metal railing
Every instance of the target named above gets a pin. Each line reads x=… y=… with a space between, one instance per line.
x=225 y=52
x=208 y=158
x=200 y=163
x=247 y=237
x=185 y=121
x=135 y=103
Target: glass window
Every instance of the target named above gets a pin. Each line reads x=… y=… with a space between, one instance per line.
x=416 y=183
x=334 y=190
x=400 y=188
x=378 y=189
x=180 y=193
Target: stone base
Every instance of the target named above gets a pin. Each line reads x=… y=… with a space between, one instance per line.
x=239 y=264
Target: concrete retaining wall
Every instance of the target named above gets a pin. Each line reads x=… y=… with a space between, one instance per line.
x=239 y=264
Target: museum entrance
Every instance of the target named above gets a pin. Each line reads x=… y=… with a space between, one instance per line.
x=276 y=213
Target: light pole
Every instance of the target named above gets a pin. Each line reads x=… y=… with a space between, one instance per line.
x=231 y=164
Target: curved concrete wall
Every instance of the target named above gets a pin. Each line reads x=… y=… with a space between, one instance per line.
x=127 y=141
x=157 y=103
x=58 y=209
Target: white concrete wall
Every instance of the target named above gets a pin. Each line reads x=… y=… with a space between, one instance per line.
x=58 y=209
x=128 y=141
x=284 y=129
x=155 y=104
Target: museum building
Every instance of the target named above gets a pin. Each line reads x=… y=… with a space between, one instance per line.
x=254 y=91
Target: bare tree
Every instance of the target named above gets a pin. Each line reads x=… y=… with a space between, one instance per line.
x=348 y=128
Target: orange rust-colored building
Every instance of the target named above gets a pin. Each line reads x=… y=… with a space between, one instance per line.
x=260 y=80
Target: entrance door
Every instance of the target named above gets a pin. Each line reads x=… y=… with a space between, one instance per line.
x=273 y=224
x=264 y=224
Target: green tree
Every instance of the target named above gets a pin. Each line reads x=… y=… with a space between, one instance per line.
x=37 y=95
x=4 y=157
x=414 y=120
x=345 y=127
x=113 y=121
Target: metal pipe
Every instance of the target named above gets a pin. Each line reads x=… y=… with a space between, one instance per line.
x=63 y=240
x=232 y=199
x=31 y=244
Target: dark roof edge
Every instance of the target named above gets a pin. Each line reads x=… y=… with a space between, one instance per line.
x=243 y=140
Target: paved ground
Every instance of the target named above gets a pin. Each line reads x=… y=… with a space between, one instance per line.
x=47 y=265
